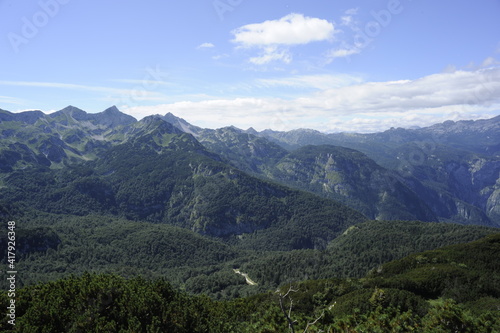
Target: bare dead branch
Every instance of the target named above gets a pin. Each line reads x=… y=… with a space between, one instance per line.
x=288 y=314
x=314 y=322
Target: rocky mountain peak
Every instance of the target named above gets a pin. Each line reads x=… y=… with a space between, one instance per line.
x=156 y=122
x=252 y=131
x=76 y=113
x=29 y=117
x=112 y=117
x=182 y=124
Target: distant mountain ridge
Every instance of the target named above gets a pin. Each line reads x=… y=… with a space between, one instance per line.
x=452 y=167
x=447 y=171
x=480 y=136
x=110 y=117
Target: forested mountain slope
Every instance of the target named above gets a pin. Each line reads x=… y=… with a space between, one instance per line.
x=454 y=178
x=153 y=171
x=453 y=166
x=428 y=174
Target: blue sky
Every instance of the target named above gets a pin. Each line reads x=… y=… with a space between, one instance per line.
x=344 y=65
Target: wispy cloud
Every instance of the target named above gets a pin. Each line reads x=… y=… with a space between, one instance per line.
x=348 y=19
x=206 y=46
x=139 y=93
x=10 y=100
x=144 y=82
x=342 y=53
x=61 y=86
x=490 y=61
x=352 y=11
x=346 y=49
x=272 y=53
x=319 y=81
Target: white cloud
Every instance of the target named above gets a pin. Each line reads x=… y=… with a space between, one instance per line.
x=205 y=46
x=445 y=89
x=215 y=112
x=275 y=37
x=292 y=29
x=361 y=107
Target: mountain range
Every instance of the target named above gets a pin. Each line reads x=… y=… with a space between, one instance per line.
x=163 y=168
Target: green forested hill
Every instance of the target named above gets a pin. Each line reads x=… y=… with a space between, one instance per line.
x=54 y=246
x=361 y=248
x=397 y=297
x=463 y=272
x=184 y=187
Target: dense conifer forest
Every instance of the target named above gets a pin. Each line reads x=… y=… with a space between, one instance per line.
x=451 y=289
